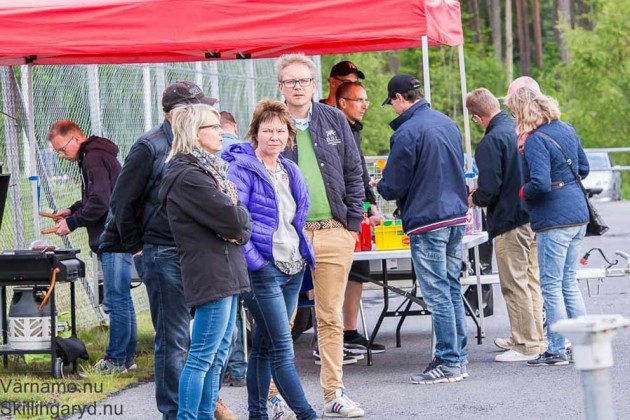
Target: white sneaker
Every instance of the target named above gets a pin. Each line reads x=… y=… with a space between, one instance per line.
x=279 y=410
x=514 y=356
x=342 y=406
x=504 y=343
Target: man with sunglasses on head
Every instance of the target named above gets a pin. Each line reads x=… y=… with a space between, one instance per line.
x=340 y=73
x=328 y=157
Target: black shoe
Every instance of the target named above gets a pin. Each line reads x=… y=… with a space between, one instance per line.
x=358 y=345
x=347 y=358
x=549 y=359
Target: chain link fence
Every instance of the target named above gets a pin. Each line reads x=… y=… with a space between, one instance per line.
x=118 y=102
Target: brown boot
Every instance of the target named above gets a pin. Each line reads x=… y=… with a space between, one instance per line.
x=223 y=412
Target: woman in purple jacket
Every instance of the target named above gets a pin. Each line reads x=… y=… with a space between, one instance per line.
x=275 y=193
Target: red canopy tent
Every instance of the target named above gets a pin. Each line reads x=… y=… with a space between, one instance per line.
x=143 y=31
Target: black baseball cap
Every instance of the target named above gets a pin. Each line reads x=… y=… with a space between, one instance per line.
x=401 y=83
x=184 y=93
x=344 y=68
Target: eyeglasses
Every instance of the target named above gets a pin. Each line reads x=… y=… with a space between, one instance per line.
x=214 y=127
x=359 y=101
x=292 y=82
x=62 y=150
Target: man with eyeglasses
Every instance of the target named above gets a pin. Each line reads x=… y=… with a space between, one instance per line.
x=96 y=157
x=328 y=157
x=340 y=73
x=143 y=226
x=425 y=175
x=353 y=101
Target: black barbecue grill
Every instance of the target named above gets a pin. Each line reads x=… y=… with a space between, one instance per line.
x=35 y=269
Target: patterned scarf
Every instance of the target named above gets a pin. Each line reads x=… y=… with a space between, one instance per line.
x=218 y=169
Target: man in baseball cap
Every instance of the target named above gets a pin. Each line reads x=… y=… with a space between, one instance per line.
x=401 y=83
x=342 y=72
x=143 y=230
x=184 y=93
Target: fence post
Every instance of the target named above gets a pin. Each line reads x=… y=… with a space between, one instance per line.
x=94 y=99
x=146 y=79
x=13 y=160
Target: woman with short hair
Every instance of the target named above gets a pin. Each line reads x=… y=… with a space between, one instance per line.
x=276 y=195
x=209 y=226
x=557 y=207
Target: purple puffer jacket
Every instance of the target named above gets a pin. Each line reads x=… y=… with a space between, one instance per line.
x=256 y=192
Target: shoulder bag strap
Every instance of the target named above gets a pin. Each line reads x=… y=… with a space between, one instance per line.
x=566 y=158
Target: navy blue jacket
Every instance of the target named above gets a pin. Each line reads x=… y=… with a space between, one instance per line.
x=339 y=162
x=257 y=193
x=500 y=177
x=138 y=214
x=554 y=197
x=425 y=169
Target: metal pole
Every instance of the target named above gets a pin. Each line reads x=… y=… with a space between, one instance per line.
x=94 y=99
x=146 y=81
x=160 y=84
x=7 y=78
x=198 y=74
x=33 y=154
x=251 y=86
x=425 y=68
x=214 y=80
x=462 y=75
x=598 y=401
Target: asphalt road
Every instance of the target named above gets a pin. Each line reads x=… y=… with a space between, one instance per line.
x=493 y=391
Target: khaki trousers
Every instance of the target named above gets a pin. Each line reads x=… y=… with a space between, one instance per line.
x=334 y=250
x=517 y=259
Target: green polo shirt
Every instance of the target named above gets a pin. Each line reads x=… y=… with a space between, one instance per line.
x=307 y=161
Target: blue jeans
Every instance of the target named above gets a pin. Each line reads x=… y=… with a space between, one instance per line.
x=437 y=260
x=211 y=338
x=118 y=304
x=236 y=365
x=271 y=302
x=558 y=256
x=171 y=318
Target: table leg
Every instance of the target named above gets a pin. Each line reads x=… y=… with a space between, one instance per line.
x=482 y=328
x=73 y=318
x=5 y=322
x=383 y=312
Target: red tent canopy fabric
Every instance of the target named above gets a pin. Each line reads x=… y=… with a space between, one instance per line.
x=145 y=31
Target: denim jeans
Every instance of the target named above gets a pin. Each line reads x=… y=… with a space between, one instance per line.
x=437 y=260
x=171 y=318
x=118 y=304
x=211 y=338
x=236 y=364
x=558 y=256
x=271 y=302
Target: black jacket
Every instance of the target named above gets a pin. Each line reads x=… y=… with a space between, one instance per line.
x=200 y=216
x=138 y=214
x=369 y=193
x=99 y=171
x=500 y=177
x=337 y=156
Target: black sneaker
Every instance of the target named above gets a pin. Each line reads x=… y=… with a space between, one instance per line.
x=358 y=345
x=549 y=359
x=347 y=358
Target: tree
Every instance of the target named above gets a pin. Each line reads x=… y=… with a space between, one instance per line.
x=538 y=35
x=494 y=14
x=509 y=42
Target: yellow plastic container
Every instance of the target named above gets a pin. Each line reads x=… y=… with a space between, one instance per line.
x=390 y=236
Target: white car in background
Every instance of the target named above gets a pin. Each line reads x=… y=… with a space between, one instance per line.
x=603 y=177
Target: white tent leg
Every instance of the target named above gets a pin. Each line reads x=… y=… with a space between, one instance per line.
x=425 y=68
x=462 y=75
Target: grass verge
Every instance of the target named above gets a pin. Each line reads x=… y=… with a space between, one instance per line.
x=27 y=390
